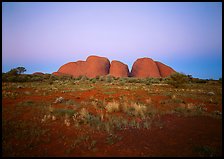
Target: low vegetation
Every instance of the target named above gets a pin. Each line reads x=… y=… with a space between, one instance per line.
x=98 y=110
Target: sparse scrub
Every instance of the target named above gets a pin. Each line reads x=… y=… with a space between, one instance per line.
x=63 y=112
x=137 y=110
x=112 y=107
x=204 y=151
x=111 y=139
x=146 y=125
x=177 y=80
x=109 y=78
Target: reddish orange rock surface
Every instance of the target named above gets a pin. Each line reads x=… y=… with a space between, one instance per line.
x=38 y=73
x=164 y=69
x=118 y=69
x=59 y=74
x=145 y=67
x=92 y=67
x=97 y=66
x=100 y=66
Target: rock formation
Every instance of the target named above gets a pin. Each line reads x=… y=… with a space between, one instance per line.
x=145 y=67
x=164 y=69
x=38 y=73
x=100 y=66
x=97 y=66
x=73 y=68
x=118 y=69
x=92 y=67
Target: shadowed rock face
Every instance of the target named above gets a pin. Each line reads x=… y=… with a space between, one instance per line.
x=100 y=66
x=164 y=69
x=145 y=67
x=118 y=69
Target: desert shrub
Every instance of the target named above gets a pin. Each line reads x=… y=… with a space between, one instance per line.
x=86 y=117
x=84 y=113
x=131 y=80
x=54 y=78
x=116 y=78
x=97 y=77
x=109 y=78
x=204 y=150
x=112 y=107
x=149 y=81
x=46 y=76
x=177 y=79
x=197 y=80
x=12 y=72
x=17 y=78
x=122 y=83
x=36 y=78
x=84 y=78
x=63 y=112
x=7 y=78
x=102 y=78
x=65 y=77
x=23 y=78
x=93 y=80
x=123 y=80
x=137 y=110
x=180 y=110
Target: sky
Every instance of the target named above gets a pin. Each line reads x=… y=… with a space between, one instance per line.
x=41 y=36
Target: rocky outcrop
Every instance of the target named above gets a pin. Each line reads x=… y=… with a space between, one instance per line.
x=59 y=74
x=97 y=66
x=145 y=67
x=73 y=68
x=38 y=73
x=164 y=69
x=118 y=69
x=92 y=67
x=100 y=66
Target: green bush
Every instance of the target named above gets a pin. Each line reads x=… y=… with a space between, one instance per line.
x=97 y=77
x=109 y=78
x=65 y=77
x=93 y=80
x=178 y=79
x=197 y=80
x=84 y=78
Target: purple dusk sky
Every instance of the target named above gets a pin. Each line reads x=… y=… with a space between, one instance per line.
x=44 y=36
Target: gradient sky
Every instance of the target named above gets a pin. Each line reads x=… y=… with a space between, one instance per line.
x=44 y=36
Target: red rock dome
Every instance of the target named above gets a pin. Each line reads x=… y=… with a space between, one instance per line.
x=59 y=74
x=164 y=69
x=145 y=67
x=100 y=66
x=38 y=73
x=97 y=66
x=118 y=69
x=92 y=67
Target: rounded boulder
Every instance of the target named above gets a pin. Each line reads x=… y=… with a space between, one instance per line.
x=118 y=69
x=97 y=66
x=164 y=69
x=145 y=67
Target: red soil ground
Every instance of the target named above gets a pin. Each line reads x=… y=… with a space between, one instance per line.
x=170 y=134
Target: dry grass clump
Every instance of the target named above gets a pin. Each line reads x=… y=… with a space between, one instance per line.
x=112 y=107
x=139 y=110
x=124 y=107
x=83 y=113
